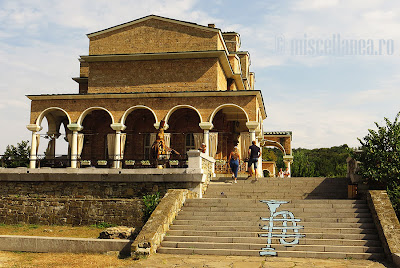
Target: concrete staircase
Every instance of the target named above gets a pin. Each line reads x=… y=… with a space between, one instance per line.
x=227 y=221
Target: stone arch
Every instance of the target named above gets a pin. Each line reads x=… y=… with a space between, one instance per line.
x=45 y=112
x=177 y=107
x=228 y=105
x=133 y=108
x=274 y=144
x=89 y=110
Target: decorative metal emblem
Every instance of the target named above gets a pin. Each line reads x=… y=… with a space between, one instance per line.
x=282 y=225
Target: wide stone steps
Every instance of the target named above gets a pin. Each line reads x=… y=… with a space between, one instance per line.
x=257 y=218
x=230 y=217
x=229 y=233
x=306 y=224
x=279 y=247
x=280 y=188
x=285 y=254
x=261 y=240
x=257 y=229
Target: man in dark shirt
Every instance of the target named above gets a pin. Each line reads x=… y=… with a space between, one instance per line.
x=254 y=154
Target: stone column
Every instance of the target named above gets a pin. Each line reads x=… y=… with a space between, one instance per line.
x=118 y=127
x=33 y=154
x=252 y=126
x=74 y=143
x=288 y=160
x=53 y=137
x=206 y=126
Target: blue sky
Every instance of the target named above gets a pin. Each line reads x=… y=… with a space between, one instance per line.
x=325 y=99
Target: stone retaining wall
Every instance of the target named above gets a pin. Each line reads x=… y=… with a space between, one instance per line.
x=67 y=211
x=386 y=222
x=87 y=189
x=153 y=232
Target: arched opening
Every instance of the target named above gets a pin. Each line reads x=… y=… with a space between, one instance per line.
x=272 y=160
x=185 y=133
x=96 y=129
x=53 y=149
x=140 y=134
x=230 y=127
x=276 y=146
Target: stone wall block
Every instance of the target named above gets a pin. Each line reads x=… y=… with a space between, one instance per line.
x=386 y=221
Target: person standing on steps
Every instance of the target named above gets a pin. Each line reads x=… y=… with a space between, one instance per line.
x=281 y=174
x=234 y=160
x=254 y=154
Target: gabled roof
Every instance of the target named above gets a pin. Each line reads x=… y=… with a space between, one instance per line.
x=189 y=24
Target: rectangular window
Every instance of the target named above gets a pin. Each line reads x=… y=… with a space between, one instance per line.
x=189 y=144
x=146 y=146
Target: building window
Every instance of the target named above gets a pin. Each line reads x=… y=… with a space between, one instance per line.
x=189 y=144
x=147 y=146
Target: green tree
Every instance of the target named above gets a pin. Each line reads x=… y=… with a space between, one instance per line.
x=380 y=158
x=324 y=162
x=16 y=156
x=302 y=166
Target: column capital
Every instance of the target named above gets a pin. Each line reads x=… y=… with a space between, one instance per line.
x=252 y=125
x=34 y=127
x=118 y=126
x=157 y=125
x=74 y=127
x=288 y=158
x=206 y=125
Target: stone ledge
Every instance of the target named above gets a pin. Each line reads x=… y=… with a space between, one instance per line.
x=63 y=244
x=386 y=222
x=153 y=232
x=103 y=175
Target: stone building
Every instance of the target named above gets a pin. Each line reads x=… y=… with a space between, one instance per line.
x=136 y=74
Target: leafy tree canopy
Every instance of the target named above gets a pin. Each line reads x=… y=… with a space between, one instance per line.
x=380 y=153
x=380 y=159
x=320 y=162
x=16 y=156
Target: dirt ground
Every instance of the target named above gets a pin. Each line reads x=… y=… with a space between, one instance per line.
x=28 y=260
x=52 y=230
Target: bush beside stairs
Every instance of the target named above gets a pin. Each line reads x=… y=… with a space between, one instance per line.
x=227 y=221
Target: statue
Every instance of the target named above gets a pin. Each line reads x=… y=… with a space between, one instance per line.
x=159 y=148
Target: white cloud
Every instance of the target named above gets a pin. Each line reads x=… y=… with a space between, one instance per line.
x=315 y=4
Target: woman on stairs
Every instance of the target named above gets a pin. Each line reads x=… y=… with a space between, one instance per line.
x=234 y=160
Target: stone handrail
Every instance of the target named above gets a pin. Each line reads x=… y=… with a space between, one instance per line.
x=204 y=164
x=153 y=232
x=386 y=221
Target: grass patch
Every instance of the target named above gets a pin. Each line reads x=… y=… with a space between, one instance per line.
x=52 y=230
x=102 y=225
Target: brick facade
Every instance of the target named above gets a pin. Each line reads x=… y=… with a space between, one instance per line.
x=162 y=69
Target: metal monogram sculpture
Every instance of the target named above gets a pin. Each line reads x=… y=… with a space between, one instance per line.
x=283 y=222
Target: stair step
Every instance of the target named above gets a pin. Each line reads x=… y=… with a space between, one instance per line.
x=229 y=233
x=257 y=229
x=277 y=247
x=262 y=240
x=252 y=223
x=264 y=208
x=288 y=254
x=298 y=215
x=253 y=218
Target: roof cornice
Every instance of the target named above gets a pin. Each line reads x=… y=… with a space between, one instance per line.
x=123 y=25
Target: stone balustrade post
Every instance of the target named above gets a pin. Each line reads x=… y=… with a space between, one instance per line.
x=33 y=153
x=206 y=126
x=74 y=143
x=118 y=127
